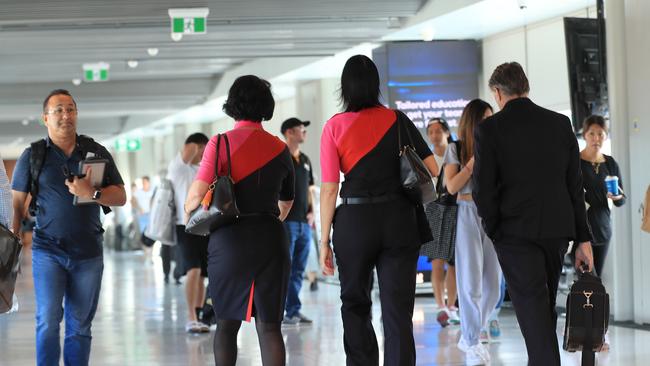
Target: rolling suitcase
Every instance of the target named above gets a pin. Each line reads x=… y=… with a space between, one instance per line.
x=587 y=317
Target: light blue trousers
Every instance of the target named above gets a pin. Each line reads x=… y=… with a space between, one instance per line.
x=478 y=274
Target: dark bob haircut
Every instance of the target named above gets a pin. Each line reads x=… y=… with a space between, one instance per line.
x=510 y=78
x=594 y=120
x=57 y=92
x=359 y=84
x=197 y=138
x=250 y=99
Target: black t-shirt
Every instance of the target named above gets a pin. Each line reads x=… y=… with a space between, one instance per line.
x=598 y=213
x=304 y=179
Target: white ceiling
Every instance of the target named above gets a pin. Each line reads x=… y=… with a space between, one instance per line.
x=43 y=44
x=487 y=17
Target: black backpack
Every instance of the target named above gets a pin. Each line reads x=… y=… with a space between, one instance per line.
x=37 y=158
x=587 y=317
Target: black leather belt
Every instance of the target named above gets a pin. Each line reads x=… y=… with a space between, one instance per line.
x=367 y=200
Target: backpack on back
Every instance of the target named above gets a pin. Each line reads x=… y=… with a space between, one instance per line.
x=587 y=317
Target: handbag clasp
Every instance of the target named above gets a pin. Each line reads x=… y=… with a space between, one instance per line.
x=588 y=296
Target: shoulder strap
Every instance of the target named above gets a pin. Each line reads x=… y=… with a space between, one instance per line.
x=225 y=138
x=36 y=160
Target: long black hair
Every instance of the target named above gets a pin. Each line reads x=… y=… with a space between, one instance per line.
x=359 y=84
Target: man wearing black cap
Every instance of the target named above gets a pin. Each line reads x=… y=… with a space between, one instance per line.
x=300 y=219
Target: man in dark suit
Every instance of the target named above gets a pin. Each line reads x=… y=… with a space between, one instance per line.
x=529 y=193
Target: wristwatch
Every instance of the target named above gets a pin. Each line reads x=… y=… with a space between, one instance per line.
x=97 y=194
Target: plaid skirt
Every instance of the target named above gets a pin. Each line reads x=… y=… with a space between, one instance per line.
x=442 y=221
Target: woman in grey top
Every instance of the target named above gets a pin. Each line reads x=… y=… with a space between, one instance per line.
x=477 y=267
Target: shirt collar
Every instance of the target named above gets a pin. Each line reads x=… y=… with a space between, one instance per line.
x=249 y=124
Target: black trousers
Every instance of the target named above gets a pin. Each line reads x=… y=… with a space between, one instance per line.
x=532 y=271
x=383 y=236
x=168 y=254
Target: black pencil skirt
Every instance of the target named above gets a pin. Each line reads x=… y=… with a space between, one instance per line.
x=248 y=269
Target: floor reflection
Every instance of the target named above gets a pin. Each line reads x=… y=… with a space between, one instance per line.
x=140 y=321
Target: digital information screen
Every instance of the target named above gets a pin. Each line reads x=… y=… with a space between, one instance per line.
x=427 y=80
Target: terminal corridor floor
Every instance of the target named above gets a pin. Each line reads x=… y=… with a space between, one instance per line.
x=140 y=321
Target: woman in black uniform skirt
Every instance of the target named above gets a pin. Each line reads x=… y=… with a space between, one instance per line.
x=248 y=261
x=376 y=225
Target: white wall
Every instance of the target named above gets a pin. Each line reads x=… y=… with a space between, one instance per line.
x=628 y=79
x=540 y=49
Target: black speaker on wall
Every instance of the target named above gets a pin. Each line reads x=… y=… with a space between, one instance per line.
x=586 y=61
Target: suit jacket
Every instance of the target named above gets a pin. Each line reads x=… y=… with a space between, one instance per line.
x=527 y=178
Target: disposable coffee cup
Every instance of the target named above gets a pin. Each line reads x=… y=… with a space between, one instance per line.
x=612 y=185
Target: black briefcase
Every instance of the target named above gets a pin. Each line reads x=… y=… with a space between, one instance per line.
x=587 y=317
x=10 y=248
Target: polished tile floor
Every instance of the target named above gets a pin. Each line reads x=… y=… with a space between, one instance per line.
x=140 y=322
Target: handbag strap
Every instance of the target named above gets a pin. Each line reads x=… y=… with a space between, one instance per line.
x=216 y=164
x=399 y=131
x=225 y=138
x=441 y=177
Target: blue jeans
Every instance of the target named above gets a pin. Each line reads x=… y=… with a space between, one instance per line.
x=57 y=278
x=299 y=235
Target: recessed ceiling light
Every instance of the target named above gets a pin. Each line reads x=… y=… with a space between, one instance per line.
x=25 y=122
x=132 y=63
x=427 y=33
x=76 y=81
x=152 y=51
x=177 y=36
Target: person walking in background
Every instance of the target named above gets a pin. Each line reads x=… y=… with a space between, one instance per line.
x=529 y=192
x=596 y=167
x=477 y=268
x=300 y=219
x=191 y=249
x=141 y=203
x=441 y=254
x=249 y=259
x=67 y=254
x=376 y=225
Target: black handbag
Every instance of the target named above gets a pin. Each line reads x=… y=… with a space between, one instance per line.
x=416 y=178
x=10 y=249
x=587 y=317
x=218 y=208
x=442 y=216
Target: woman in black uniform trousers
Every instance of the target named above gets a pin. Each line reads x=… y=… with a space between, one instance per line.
x=248 y=261
x=375 y=226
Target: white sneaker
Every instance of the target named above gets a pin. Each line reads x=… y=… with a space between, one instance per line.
x=193 y=327
x=203 y=328
x=485 y=352
x=454 y=319
x=475 y=356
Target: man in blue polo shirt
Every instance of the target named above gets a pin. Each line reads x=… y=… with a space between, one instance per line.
x=67 y=262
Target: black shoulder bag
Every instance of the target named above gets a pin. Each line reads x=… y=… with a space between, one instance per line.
x=218 y=207
x=10 y=248
x=416 y=178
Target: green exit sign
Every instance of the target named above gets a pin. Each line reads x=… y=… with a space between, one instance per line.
x=128 y=144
